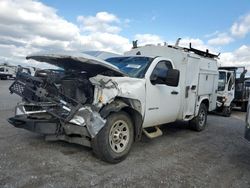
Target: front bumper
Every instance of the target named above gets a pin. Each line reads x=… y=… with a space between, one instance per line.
x=53 y=130
x=41 y=126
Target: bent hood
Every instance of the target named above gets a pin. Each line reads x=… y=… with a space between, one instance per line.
x=79 y=62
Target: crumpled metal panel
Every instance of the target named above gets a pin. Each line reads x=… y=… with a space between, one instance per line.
x=89 y=118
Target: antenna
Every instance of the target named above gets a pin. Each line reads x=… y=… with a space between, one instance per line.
x=177 y=42
x=134 y=44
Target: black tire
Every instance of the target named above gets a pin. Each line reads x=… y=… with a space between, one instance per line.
x=113 y=150
x=244 y=107
x=199 y=122
x=227 y=110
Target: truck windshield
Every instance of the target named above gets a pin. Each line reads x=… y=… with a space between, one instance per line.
x=222 y=81
x=133 y=66
x=1 y=69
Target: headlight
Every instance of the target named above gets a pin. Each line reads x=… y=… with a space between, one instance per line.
x=221 y=99
x=224 y=99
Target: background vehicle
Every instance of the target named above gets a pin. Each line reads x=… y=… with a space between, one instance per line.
x=242 y=87
x=247 y=130
x=226 y=90
x=107 y=105
x=7 y=71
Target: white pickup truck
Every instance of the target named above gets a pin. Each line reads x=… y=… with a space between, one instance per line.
x=107 y=105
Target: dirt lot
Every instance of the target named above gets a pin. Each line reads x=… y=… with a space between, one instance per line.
x=217 y=157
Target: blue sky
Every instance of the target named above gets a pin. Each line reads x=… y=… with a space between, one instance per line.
x=42 y=26
x=168 y=19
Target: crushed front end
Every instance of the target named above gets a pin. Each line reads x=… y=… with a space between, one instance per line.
x=57 y=104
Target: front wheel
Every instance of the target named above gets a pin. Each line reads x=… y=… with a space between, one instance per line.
x=199 y=122
x=227 y=110
x=112 y=144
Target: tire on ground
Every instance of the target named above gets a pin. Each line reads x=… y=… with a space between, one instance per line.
x=199 y=122
x=107 y=146
x=227 y=110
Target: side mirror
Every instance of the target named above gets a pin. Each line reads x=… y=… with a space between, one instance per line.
x=172 y=78
x=153 y=79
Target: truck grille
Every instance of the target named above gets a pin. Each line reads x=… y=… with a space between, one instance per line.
x=63 y=106
x=17 y=87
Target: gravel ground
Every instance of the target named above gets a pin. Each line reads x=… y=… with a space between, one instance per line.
x=216 y=157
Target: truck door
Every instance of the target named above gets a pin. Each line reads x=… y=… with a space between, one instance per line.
x=162 y=101
x=230 y=87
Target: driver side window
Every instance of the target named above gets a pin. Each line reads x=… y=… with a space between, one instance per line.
x=160 y=72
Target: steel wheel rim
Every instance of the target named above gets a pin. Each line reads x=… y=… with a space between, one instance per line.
x=119 y=136
x=202 y=118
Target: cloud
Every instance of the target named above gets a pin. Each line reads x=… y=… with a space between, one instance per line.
x=101 y=22
x=220 y=39
x=28 y=26
x=239 y=57
x=242 y=27
x=239 y=29
x=210 y=35
x=28 y=18
x=144 y=39
x=102 y=41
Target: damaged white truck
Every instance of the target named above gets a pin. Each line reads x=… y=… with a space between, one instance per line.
x=107 y=105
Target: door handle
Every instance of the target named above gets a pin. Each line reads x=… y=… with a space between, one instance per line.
x=174 y=92
x=193 y=87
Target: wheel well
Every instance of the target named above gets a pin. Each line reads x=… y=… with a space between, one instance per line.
x=119 y=105
x=206 y=102
x=137 y=121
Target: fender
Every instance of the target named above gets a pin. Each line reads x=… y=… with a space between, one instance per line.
x=114 y=106
x=201 y=99
x=118 y=105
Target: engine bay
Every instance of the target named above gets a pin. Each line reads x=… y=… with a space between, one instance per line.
x=59 y=92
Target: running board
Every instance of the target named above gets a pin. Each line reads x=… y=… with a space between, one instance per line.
x=154 y=134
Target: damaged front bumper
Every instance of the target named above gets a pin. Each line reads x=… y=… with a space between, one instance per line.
x=42 y=126
x=84 y=125
x=53 y=130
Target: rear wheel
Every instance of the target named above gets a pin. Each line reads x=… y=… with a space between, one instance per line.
x=112 y=144
x=199 y=122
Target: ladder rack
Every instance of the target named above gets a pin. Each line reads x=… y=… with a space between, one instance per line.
x=201 y=53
